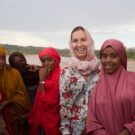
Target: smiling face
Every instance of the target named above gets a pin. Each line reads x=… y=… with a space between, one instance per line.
x=110 y=60
x=19 y=63
x=79 y=44
x=48 y=62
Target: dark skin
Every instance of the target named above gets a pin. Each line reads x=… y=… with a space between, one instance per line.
x=20 y=61
x=110 y=61
x=47 y=67
x=8 y=102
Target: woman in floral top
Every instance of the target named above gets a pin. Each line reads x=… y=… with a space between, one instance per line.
x=77 y=81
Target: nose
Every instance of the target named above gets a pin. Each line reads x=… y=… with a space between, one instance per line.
x=108 y=59
x=79 y=43
x=45 y=63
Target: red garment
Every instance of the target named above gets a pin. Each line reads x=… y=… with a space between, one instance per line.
x=46 y=110
x=5 y=113
x=112 y=103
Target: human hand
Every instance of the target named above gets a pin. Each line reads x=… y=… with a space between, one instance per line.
x=42 y=86
x=33 y=68
x=43 y=72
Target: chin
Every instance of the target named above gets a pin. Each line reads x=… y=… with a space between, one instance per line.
x=81 y=57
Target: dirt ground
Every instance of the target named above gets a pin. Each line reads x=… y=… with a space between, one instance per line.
x=131 y=65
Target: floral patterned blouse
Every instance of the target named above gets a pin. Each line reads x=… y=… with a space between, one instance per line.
x=74 y=97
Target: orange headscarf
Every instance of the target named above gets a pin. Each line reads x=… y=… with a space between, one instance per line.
x=2 y=50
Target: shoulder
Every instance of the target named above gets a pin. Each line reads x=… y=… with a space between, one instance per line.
x=13 y=71
x=67 y=70
x=131 y=74
x=69 y=73
x=95 y=76
x=130 y=78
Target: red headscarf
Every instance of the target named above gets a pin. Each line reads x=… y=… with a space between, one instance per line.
x=45 y=112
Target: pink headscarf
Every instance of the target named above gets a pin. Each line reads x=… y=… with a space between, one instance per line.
x=112 y=103
x=118 y=47
x=91 y=63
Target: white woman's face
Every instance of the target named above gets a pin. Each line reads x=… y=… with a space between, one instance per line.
x=79 y=44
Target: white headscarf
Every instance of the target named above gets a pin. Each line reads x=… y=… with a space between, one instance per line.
x=91 y=63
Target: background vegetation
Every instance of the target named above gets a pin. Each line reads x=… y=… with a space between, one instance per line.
x=63 y=52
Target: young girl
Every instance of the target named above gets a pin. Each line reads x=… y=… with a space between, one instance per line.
x=45 y=113
x=112 y=103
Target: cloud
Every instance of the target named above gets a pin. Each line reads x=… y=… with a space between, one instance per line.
x=22 y=38
x=115 y=29
x=57 y=39
x=60 y=39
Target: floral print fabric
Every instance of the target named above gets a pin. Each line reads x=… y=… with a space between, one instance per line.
x=73 y=106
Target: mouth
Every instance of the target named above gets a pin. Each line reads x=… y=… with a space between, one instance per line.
x=81 y=50
x=108 y=67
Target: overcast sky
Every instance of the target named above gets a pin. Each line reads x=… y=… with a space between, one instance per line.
x=49 y=22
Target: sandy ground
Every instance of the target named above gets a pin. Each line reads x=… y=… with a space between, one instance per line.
x=131 y=65
x=33 y=59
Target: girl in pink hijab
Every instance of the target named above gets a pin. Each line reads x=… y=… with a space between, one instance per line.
x=46 y=110
x=112 y=103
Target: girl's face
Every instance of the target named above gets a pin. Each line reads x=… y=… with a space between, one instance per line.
x=48 y=62
x=19 y=63
x=79 y=44
x=110 y=60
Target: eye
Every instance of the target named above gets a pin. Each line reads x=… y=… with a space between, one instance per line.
x=74 y=40
x=43 y=60
x=104 y=55
x=83 y=39
x=114 y=55
x=48 y=59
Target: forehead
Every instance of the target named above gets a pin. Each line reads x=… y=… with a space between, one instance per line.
x=46 y=57
x=78 y=33
x=109 y=50
x=17 y=58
